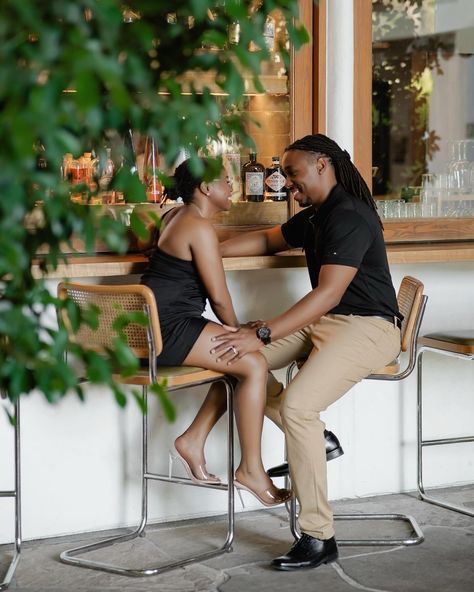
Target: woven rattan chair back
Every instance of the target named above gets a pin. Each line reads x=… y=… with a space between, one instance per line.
x=410 y=299
x=112 y=302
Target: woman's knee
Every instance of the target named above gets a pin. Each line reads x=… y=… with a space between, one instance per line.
x=252 y=365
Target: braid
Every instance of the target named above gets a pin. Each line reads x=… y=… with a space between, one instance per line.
x=346 y=173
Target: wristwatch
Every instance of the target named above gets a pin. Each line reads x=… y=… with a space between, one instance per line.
x=264 y=333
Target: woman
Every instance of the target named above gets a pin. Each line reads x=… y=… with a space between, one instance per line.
x=185 y=269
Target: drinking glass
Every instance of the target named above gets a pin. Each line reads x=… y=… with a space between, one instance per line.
x=460 y=169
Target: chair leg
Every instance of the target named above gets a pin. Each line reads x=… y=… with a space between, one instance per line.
x=415 y=539
x=71 y=556
x=16 y=494
x=421 y=443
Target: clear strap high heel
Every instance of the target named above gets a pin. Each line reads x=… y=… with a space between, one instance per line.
x=267 y=497
x=204 y=477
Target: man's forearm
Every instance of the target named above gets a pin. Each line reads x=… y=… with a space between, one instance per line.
x=306 y=311
x=250 y=243
x=259 y=242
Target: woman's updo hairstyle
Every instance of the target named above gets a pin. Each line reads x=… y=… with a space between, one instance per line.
x=185 y=181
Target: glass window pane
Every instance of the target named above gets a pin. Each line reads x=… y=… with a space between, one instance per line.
x=423 y=96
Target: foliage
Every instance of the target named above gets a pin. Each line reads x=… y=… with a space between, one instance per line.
x=113 y=61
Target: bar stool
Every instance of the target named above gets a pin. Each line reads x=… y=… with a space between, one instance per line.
x=457 y=344
x=412 y=304
x=145 y=342
x=16 y=494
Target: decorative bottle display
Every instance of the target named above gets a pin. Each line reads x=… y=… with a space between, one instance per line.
x=154 y=188
x=253 y=174
x=275 y=180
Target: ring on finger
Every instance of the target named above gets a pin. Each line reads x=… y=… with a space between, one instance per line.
x=234 y=349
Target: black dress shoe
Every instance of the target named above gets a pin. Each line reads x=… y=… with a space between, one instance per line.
x=307 y=552
x=333 y=450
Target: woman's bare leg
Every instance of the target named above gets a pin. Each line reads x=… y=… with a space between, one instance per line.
x=250 y=396
x=191 y=442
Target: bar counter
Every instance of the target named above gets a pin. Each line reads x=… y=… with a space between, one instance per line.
x=103 y=265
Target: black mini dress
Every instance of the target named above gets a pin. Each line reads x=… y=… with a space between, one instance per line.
x=181 y=300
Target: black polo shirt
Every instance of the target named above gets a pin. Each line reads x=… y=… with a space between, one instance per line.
x=344 y=230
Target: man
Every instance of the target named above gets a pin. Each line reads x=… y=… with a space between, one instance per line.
x=347 y=325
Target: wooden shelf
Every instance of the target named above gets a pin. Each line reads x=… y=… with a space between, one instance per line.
x=89 y=266
x=273 y=84
x=411 y=230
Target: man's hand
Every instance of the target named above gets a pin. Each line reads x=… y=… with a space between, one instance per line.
x=235 y=343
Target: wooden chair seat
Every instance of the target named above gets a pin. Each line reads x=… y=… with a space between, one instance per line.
x=175 y=376
x=460 y=342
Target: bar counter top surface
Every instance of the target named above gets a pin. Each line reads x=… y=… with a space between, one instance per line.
x=103 y=265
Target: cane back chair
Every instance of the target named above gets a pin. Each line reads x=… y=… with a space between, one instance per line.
x=145 y=342
x=14 y=493
x=457 y=344
x=412 y=303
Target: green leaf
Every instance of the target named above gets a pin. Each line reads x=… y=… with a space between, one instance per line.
x=120 y=396
x=138 y=226
x=71 y=84
x=138 y=396
x=159 y=389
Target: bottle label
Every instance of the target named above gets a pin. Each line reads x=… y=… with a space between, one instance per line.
x=276 y=181
x=254 y=183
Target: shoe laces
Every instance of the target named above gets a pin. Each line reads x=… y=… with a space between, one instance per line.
x=303 y=542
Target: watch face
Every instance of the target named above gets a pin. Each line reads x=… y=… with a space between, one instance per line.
x=264 y=333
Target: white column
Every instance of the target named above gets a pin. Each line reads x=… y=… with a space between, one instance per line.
x=340 y=73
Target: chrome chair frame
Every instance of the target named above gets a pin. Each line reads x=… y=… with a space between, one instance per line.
x=421 y=443
x=16 y=494
x=412 y=321
x=73 y=556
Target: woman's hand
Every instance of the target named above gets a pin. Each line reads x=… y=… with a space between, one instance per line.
x=235 y=343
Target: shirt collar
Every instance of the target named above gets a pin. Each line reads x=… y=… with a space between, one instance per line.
x=321 y=212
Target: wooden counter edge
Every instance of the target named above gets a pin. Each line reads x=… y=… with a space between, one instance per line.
x=82 y=266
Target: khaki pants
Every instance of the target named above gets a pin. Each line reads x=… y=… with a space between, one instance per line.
x=342 y=351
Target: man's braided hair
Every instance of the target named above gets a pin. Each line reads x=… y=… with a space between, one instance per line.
x=347 y=174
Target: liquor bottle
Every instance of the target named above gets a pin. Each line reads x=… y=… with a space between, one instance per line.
x=253 y=174
x=129 y=157
x=275 y=182
x=233 y=33
x=106 y=169
x=233 y=30
x=41 y=162
x=269 y=31
x=151 y=173
x=66 y=166
x=231 y=159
